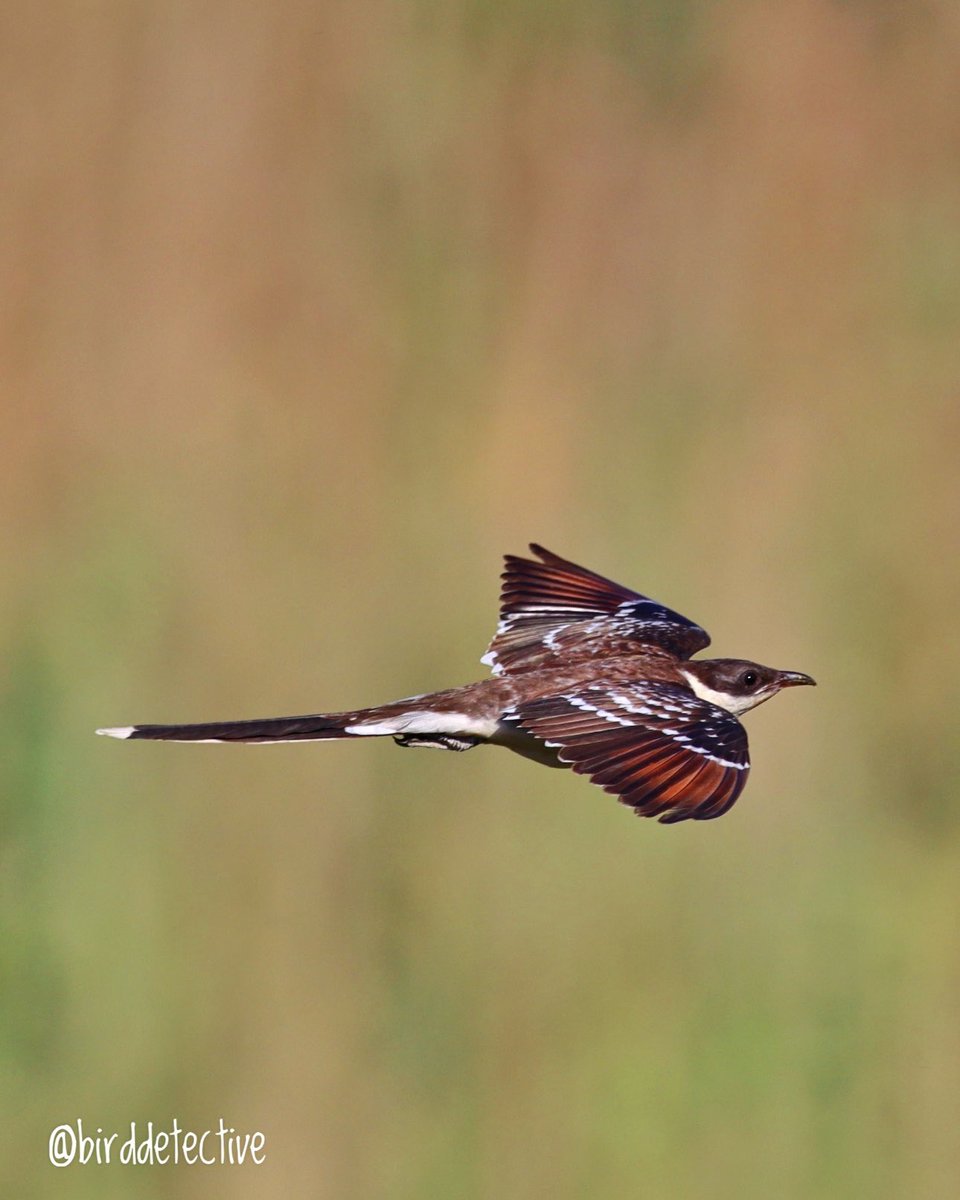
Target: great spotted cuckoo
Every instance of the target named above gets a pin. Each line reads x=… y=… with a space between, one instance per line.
x=587 y=675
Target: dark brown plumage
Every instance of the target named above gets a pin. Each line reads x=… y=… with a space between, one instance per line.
x=587 y=674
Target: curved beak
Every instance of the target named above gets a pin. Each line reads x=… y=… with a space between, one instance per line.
x=795 y=679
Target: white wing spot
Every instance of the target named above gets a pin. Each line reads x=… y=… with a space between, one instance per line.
x=626 y=703
x=585 y=706
x=550 y=641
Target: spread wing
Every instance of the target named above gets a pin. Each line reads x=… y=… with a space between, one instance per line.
x=657 y=747
x=554 y=609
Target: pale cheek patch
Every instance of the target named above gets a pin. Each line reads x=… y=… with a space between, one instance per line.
x=731 y=704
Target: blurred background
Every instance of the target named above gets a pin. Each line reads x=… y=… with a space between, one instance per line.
x=308 y=313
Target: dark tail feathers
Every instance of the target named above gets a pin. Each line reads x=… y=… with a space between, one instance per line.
x=316 y=728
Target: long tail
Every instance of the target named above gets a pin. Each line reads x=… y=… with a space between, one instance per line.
x=419 y=720
x=317 y=728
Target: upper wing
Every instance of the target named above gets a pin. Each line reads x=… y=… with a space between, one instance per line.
x=554 y=609
x=654 y=745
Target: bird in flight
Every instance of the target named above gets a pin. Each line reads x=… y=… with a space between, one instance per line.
x=586 y=674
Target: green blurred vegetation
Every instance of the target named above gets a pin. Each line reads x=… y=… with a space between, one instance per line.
x=309 y=312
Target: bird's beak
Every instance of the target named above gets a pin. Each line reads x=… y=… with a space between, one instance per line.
x=794 y=679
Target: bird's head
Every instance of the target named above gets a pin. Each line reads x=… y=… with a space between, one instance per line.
x=737 y=685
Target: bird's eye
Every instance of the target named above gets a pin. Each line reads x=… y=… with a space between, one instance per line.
x=749 y=678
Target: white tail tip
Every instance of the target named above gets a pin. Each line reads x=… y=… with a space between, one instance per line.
x=122 y=731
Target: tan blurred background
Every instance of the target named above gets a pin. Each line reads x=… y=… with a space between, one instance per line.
x=309 y=313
